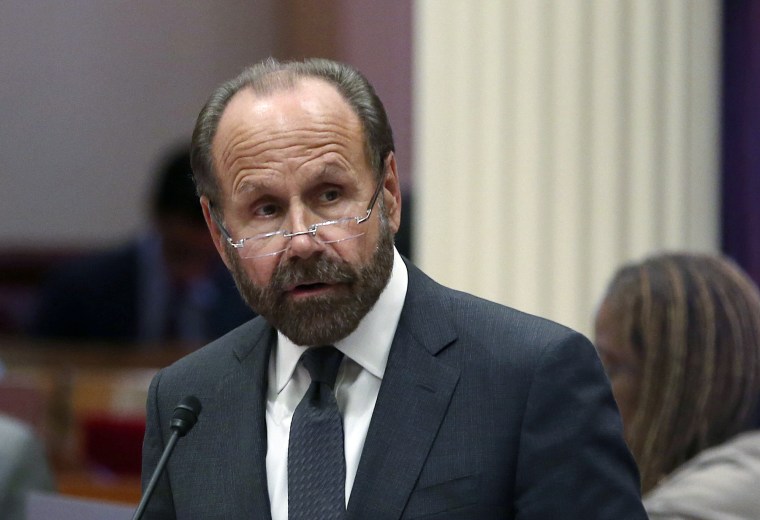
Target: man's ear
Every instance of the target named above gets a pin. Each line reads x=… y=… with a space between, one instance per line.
x=216 y=234
x=392 y=192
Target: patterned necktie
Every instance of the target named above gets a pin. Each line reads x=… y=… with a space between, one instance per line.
x=316 y=462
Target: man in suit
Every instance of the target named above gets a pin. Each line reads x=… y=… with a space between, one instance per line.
x=451 y=407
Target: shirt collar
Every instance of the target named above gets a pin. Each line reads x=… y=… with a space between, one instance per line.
x=370 y=344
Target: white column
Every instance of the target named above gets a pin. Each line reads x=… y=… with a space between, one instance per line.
x=557 y=139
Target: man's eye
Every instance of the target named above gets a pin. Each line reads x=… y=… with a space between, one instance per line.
x=330 y=195
x=266 y=210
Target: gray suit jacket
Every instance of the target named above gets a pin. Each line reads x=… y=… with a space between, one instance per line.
x=484 y=413
x=23 y=467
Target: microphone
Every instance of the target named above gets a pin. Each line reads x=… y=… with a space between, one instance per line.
x=183 y=419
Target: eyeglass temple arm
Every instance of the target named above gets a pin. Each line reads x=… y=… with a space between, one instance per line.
x=219 y=224
x=374 y=199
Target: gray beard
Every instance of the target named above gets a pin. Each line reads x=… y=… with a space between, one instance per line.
x=321 y=319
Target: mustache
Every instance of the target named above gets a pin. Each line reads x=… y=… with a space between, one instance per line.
x=318 y=270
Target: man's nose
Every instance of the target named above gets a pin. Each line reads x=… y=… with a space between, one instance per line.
x=303 y=243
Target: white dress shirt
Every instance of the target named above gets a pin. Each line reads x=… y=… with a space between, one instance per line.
x=356 y=388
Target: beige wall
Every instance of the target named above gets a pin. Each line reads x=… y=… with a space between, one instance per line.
x=93 y=92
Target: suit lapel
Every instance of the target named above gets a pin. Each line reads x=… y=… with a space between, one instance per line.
x=413 y=400
x=244 y=476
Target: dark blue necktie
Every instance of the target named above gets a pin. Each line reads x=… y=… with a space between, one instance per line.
x=316 y=461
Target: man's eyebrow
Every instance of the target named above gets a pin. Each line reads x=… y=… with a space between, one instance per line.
x=332 y=172
x=248 y=186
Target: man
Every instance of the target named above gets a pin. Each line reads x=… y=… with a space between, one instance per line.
x=166 y=285
x=451 y=406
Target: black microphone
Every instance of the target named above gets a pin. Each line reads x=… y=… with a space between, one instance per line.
x=184 y=417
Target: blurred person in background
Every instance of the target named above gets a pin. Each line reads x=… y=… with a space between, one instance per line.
x=23 y=467
x=679 y=335
x=166 y=285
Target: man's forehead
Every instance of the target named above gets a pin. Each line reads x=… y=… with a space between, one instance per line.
x=258 y=123
x=309 y=103
x=307 y=94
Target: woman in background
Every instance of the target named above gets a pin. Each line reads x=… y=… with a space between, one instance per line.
x=679 y=335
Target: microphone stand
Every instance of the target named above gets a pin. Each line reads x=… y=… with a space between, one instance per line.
x=156 y=475
x=184 y=418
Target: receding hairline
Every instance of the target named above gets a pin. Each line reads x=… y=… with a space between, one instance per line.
x=299 y=83
x=293 y=83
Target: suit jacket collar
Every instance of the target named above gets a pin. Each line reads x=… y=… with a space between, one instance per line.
x=244 y=474
x=413 y=400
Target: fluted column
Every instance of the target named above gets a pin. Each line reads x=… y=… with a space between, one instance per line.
x=557 y=139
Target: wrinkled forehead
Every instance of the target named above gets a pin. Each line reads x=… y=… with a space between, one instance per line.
x=280 y=131
x=307 y=101
x=310 y=104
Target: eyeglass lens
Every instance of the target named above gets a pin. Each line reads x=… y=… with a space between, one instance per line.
x=325 y=233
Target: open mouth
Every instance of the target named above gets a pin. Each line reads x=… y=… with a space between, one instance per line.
x=311 y=286
x=308 y=289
